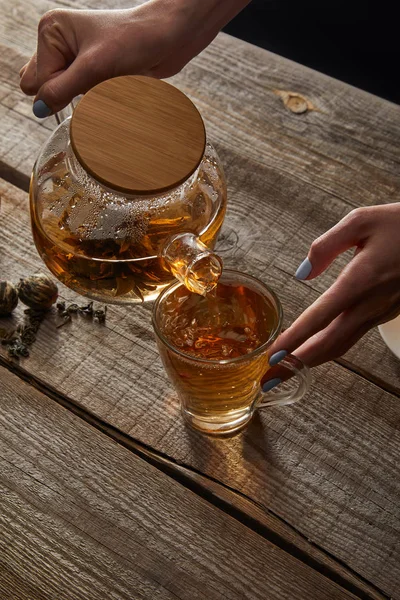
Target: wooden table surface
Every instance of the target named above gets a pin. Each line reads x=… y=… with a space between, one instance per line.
x=104 y=492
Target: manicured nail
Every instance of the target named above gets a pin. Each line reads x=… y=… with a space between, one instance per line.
x=268 y=385
x=304 y=269
x=277 y=357
x=40 y=109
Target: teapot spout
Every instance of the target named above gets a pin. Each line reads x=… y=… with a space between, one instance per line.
x=192 y=263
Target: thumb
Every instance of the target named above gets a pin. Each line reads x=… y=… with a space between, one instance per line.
x=350 y=231
x=64 y=86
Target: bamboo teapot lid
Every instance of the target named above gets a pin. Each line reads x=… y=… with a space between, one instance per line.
x=138 y=135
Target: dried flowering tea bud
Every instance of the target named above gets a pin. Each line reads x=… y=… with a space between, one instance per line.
x=8 y=298
x=38 y=291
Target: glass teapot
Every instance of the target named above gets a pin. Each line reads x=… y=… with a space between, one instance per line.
x=128 y=195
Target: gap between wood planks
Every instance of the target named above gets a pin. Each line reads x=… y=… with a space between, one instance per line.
x=213 y=491
x=368 y=376
x=14 y=177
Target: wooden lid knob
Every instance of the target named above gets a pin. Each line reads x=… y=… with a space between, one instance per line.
x=138 y=135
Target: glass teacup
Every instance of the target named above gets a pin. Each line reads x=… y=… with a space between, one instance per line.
x=215 y=351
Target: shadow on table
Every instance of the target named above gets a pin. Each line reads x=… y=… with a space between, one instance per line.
x=240 y=461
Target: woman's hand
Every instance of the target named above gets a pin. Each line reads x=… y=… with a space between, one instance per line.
x=366 y=293
x=77 y=49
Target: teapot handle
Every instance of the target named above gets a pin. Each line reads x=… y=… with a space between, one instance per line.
x=66 y=112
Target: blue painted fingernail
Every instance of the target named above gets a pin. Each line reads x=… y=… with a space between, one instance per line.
x=277 y=357
x=268 y=385
x=304 y=269
x=40 y=109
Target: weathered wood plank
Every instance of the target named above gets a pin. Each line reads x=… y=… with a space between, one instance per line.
x=327 y=466
x=83 y=517
x=237 y=504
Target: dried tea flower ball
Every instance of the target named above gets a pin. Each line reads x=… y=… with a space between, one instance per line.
x=8 y=298
x=38 y=291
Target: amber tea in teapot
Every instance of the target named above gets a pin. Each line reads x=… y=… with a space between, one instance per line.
x=127 y=194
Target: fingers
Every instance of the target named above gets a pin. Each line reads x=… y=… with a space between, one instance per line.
x=22 y=70
x=28 y=82
x=52 y=58
x=277 y=373
x=350 y=231
x=348 y=290
x=52 y=55
x=77 y=79
x=53 y=52
x=336 y=339
x=344 y=331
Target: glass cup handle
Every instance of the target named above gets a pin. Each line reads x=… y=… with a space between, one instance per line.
x=287 y=368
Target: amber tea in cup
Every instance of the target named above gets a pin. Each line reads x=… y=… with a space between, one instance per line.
x=215 y=351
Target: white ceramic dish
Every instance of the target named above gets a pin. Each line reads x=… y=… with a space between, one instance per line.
x=390 y=333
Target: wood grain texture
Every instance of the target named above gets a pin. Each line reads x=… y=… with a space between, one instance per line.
x=328 y=466
x=234 y=503
x=290 y=176
x=83 y=517
x=123 y=114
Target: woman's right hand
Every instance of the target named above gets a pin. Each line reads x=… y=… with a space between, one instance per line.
x=77 y=49
x=366 y=293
